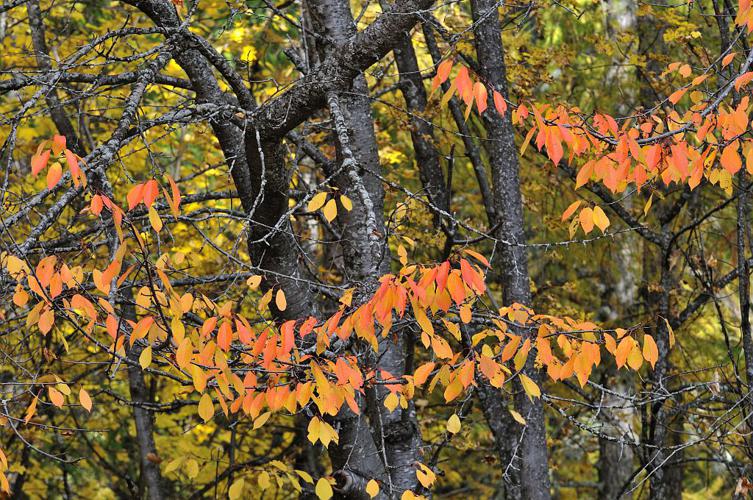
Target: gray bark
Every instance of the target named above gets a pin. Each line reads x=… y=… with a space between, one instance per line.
x=365 y=252
x=512 y=262
x=421 y=129
x=151 y=477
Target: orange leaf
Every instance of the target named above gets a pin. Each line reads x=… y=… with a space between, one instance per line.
x=54 y=174
x=650 y=350
x=135 y=196
x=85 y=400
x=96 y=204
x=280 y=300
x=499 y=103
x=479 y=89
x=58 y=144
x=586 y=219
x=175 y=205
x=477 y=256
x=443 y=72
x=38 y=162
x=743 y=80
x=571 y=210
x=728 y=59
x=151 y=191
x=730 y=159
x=422 y=373
x=56 y=396
x=677 y=95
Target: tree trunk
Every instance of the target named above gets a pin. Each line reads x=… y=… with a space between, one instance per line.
x=512 y=262
x=151 y=477
x=364 y=244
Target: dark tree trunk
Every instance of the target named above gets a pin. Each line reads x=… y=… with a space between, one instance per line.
x=512 y=263
x=149 y=460
x=421 y=129
x=365 y=251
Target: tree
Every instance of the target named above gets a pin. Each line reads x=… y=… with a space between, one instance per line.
x=235 y=259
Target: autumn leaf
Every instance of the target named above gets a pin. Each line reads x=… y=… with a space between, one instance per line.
x=323 y=489
x=236 y=489
x=280 y=300
x=330 y=210
x=453 y=424
x=600 y=219
x=650 y=350
x=677 y=95
x=586 y=219
x=517 y=417
x=346 y=202
x=529 y=386
x=317 y=201
x=206 y=407
x=570 y=210
x=54 y=173
x=372 y=488
x=145 y=358
x=85 y=400
x=56 y=397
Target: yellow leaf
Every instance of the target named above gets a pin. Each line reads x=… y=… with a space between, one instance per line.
x=263 y=480
x=323 y=489
x=280 y=300
x=184 y=353
x=262 y=419
x=425 y=475
x=305 y=476
x=236 y=490
x=206 y=408
x=453 y=390
x=391 y=401
x=648 y=205
x=317 y=202
x=530 y=387
x=671 y=334
x=192 y=468
x=635 y=359
x=600 y=219
x=517 y=417
x=330 y=210
x=453 y=424
x=346 y=202
x=154 y=219
x=16 y=265
x=372 y=488
x=85 y=400
x=145 y=358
